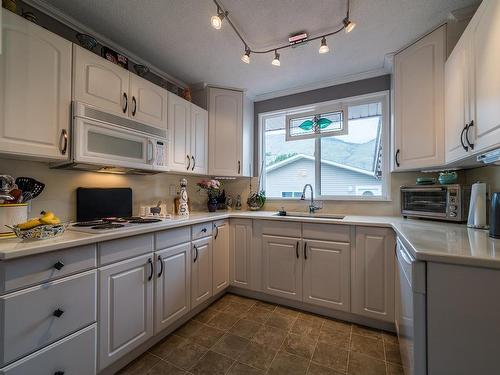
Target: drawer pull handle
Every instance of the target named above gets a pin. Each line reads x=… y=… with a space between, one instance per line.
x=59 y=373
x=59 y=265
x=58 y=313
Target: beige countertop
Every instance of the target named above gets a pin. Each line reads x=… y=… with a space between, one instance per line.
x=426 y=240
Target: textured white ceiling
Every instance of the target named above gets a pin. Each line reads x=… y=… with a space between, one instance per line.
x=176 y=36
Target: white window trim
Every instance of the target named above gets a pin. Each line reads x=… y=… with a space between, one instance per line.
x=384 y=97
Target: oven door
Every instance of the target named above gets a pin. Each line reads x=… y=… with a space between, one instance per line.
x=424 y=201
x=109 y=145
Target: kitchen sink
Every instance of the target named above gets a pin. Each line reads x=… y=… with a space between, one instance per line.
x=317 y=216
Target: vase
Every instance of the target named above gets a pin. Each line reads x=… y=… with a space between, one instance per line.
x=212 y=204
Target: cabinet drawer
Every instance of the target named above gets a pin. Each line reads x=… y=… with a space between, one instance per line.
x=29 y=320
x=327 y=232
x=172 y=237
x=124 y=248
x=201 y=230
x=280 y=228
x=32 y=270
x=60 y=356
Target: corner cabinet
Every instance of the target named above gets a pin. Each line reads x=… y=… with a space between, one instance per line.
x=419 y=103
x=201 y=271
x=220 y=256
x=35 y=90
x=372 y=271
x=188 y=136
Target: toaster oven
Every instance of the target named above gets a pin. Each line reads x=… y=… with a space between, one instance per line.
x=440 y=202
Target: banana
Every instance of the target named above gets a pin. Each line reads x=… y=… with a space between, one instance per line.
x=47 y=215
x=52 y=221
x=29 y=224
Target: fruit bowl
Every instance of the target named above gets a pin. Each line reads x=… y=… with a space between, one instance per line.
x=40 y=232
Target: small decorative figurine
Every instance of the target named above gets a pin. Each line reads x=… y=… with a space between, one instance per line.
x=183 y=199
x=238 y=202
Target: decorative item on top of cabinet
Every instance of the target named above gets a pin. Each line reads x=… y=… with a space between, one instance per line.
x=419 y=103
x=36 y=58
x=372 y=267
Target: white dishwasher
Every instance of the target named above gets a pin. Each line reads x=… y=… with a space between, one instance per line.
x=411 y=311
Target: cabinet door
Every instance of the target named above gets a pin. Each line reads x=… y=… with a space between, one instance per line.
x=282 y=266
x=172 y=285
x=148 y=102
x=220 y=256
x=179 y=133
x=373 y=273
x=419 y=103
x=240 y=252
x=457 y=113
x=199 y=140
x=125 y=307
x=326 y=274
x=35 y=90
x=485 y=40
x=225 y=132
x=99 y=82
x=201 y=271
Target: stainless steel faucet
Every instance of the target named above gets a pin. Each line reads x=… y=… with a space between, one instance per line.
x=312 y=206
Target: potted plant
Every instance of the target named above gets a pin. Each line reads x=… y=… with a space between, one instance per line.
x=213 y=189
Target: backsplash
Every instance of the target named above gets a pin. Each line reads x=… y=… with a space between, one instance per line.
x=60 y=191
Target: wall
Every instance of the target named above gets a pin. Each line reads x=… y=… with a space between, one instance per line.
x=59 y=194
x=490 y=175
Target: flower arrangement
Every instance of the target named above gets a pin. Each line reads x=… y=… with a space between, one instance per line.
x=212 y=187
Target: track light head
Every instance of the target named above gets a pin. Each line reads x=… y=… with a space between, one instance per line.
x=324 y=47
x=276 y=61
x=348 y=25
x=216 y=21
x=246 y=56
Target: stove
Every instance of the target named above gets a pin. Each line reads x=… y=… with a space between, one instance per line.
x=108 y=224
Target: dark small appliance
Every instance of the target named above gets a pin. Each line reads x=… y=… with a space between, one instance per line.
x=495 y=215
x=97 y=203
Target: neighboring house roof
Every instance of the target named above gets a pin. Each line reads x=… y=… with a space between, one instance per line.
x=298 y=157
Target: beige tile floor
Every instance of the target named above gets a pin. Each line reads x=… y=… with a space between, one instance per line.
x=241 y=336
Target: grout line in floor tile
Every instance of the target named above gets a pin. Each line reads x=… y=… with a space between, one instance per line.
x=349 y=350
x=315 y=346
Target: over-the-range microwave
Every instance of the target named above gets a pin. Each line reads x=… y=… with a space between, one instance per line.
x=439 y=202
x=104 y=142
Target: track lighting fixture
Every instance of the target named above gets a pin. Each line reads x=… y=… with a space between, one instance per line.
x=347 y=25
x=216 y=21
x=324 y=47
x=276 y=61
x=246 y=56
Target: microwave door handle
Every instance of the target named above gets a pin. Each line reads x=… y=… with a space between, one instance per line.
x=150 y=153
x=404 y=190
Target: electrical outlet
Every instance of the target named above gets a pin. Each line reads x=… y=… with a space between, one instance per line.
x=172 y=190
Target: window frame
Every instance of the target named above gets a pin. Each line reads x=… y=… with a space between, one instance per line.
x=382 y=96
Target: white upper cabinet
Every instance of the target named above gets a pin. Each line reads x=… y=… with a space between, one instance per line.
x=35 y=90
x=99 y=82
x=225 y=109
x=457 y=113
x=484 y=132
x=148 y=102
x=419 y=103
x=109 y=87
x=179 y=137
x=199 y=140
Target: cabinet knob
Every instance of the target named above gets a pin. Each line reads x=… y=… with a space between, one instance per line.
x=59 y=265
x=58 y=313
x=204 y=230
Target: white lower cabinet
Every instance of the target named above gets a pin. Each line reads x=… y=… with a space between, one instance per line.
x=201 y=270
x=172 y=285
x=326 y=274
x=240 y=247
x=75 y=355
x=373 y=264
x=126 y=307
x=282 y=264
x=220 y=257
